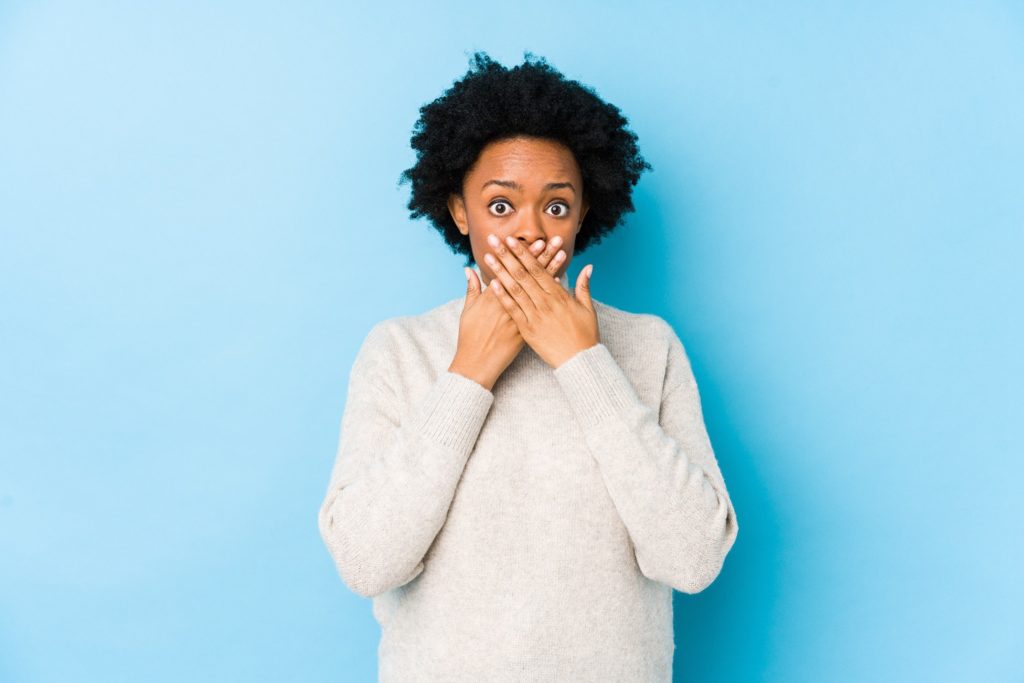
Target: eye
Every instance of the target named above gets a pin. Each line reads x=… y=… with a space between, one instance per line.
x=497 y=202
x=563 y=211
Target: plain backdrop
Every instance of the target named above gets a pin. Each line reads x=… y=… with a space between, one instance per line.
x=201 y=219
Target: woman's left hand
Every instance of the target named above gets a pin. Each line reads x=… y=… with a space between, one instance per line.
x=555 y=324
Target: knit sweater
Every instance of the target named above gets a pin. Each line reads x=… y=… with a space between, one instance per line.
x=535 y=531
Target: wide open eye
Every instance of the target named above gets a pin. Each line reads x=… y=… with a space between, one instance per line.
x=562 y=212
x=503 y=212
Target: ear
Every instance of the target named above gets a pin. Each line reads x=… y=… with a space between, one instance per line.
x=457 y=208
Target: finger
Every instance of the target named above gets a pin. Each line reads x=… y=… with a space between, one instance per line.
x=557 y=263
x=547 y=254
x=510 y=304
x=542 y=278
x=472 y=286
x=551 y=257
x=521 y=283
x=583 y=286
x=509 y=283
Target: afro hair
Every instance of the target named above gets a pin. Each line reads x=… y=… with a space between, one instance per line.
x=491 y=103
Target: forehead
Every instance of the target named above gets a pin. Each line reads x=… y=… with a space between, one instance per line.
x=524 y=158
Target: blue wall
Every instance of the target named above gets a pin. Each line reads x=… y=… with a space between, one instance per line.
x=200 y=220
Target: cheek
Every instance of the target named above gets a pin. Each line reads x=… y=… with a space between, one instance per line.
x=480 y=246
x=478 y=243
x=478 y=216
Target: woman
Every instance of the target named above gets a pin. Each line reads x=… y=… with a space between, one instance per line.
x=523 y=473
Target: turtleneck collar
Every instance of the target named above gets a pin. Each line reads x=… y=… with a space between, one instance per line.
x=563 y=278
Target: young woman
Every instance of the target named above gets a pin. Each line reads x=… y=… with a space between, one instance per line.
x=523 y=473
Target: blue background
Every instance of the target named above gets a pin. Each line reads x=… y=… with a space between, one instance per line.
x=201 y=219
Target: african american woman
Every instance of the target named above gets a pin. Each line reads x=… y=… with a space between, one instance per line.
x=523 y=474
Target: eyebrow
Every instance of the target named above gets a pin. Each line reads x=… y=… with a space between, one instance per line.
x=516 y=186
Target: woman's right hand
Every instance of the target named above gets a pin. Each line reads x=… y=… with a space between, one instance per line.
x=489 y=338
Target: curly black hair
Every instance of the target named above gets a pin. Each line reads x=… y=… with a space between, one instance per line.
x=533 y=99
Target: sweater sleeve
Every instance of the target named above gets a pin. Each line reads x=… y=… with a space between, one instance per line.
x=396 y=469
x=658 y=466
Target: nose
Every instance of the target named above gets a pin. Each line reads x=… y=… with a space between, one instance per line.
x=529 y=230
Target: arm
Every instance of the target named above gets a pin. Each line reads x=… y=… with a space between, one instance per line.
x=396 y=469
x=660 y=472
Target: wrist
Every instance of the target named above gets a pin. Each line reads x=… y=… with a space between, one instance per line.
x=469 y=372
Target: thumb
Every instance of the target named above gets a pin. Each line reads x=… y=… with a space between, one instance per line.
x=472 y=285
x=583 y=286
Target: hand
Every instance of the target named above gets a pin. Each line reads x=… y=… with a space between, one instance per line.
x=554 y=324
x=489 y=340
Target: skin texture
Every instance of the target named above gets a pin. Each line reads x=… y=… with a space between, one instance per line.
x=523 y=301
x=489 y=339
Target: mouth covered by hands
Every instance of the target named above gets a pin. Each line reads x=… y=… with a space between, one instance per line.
x=555 y=324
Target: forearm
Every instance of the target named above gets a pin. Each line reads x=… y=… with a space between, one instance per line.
x=665 y=484
x=391 y=489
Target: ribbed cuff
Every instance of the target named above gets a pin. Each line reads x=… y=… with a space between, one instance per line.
x=595 y=385
x=454 y=411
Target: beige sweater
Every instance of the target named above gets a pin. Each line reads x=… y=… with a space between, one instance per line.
x=534 y=532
